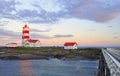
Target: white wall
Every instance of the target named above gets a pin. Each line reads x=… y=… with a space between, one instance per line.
x=71 y=47
x=37 y=44
x=11 y=45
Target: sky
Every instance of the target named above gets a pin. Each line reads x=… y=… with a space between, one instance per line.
x=54 y=22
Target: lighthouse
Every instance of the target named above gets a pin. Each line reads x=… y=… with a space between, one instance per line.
x=26 y=41
x=25 y=35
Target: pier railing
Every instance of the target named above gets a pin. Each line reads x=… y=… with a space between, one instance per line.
x=112 y=57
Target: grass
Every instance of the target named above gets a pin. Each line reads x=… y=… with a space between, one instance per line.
x=31 y=49
x=92 y=53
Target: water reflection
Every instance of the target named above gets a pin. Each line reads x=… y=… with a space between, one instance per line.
x=25 y=69
x=52 y=67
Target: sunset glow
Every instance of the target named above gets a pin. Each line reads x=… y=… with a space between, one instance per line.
x=54 y=22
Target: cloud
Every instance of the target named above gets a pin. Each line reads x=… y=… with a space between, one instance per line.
x=37 y=30
x=2 y=23
x=115 y=37
x=50 y=11
x=10 y=34
x=34 y=35
x=91 y=30
x=60 y=36
x=18 y=35
x=109 y=26
x=97 y=11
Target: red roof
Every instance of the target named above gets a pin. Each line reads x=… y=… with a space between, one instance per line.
x=70 y=43
x=12 y=43
x=32 y=41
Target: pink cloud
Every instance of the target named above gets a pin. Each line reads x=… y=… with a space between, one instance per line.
x=79 y=10
x=102 y=17
x=99 y=11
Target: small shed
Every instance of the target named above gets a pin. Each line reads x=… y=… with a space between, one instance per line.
x=70 y=45
x=12 y=45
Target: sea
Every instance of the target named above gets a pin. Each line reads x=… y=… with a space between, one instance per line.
x=51 y=67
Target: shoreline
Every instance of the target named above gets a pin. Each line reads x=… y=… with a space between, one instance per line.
x=49 y=53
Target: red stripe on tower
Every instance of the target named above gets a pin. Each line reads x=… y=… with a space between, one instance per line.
x=25 y=37
x=25 y=32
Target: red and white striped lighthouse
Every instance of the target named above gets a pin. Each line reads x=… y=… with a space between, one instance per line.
x=25 y=34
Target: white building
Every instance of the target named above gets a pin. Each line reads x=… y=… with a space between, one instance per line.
x=13 y=45
x=70 y=45
x=32 y=43
x=26 y=41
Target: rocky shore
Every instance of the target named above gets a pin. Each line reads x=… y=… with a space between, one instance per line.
x=49 y=52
